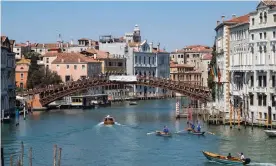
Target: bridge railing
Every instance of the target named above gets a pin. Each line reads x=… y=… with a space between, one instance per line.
x=106 y=78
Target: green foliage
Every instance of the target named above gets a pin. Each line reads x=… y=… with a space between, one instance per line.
x=39 y=76
x=29 y=55
x=211 y=83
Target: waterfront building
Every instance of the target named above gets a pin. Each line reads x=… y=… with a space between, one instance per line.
x=74 y=66
x=21 y=72
x=20 y=49
x=194 y=55
x=184 y=73
x=7 y=75
x=222 y=67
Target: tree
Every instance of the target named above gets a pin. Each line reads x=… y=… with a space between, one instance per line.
x=39 y=76
x=211 y=83
x=29 y=55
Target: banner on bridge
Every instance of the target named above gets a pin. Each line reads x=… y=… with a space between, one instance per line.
x=123 y=78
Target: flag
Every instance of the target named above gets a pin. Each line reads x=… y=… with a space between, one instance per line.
x=219 y=75
x=214 y=70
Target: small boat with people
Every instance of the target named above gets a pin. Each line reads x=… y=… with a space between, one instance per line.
x=270 y=133
x=197 y=133
x=108 y=120
x=164 y=133
x=227 y=159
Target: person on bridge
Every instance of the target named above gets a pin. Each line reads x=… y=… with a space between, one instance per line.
x=166 y=130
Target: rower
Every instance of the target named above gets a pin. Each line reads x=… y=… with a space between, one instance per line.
x=229 y=156
x=242 y=156
x=166 y=130
x=198 y=128
x=193 y=126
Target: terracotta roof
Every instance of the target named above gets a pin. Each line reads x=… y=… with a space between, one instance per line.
x=46 y=45
x=99 y=54
x=207 y=56
x=173 y=65
x=154 y=50
x=51 y=54
x=24 y=61
x=196 y=48
x=20 y=45
x=269 y=2
x=73 y=58
x=241 y=19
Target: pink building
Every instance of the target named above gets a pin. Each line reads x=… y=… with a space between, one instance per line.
x=73 y=66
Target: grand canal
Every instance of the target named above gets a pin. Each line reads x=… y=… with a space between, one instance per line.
x=84 y=142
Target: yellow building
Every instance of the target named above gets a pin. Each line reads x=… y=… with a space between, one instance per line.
x=21 y=72
x=110 y=63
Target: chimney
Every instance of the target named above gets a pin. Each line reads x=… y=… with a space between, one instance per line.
x=89 y=45
x=72 y=42
x=150 y=45
x=218 y=22
x=233 y=15
x=43 y=45
x=95 y=56
x=79 y=60
x=176 y=50
x=62 y=60
x=222 y=18
x=27 y=43
x=158 y=47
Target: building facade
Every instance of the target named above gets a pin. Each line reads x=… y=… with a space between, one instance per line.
x=262 y=79
x=21 y=72
x=20 y=49
x=8 y=95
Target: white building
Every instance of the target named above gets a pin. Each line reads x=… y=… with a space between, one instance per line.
x=262 y=43
x=20 y=49
x=7 y=75
x=222 y=99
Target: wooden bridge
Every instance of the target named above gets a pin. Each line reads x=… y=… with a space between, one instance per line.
x=51 y=93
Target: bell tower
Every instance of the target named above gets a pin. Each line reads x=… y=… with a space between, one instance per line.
x=136 y=34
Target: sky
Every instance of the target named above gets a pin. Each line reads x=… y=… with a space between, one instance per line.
x=173 y=24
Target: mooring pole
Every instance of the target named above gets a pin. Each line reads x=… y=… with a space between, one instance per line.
x=2 y=156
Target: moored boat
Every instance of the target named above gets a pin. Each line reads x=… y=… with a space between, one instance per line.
x=224 y=160
x=133 y=103
x=161 y=133
x=108 y=120
x=270 y=133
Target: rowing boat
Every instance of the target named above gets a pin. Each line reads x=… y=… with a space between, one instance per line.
x=224 y=160
x=270 y=133
x=108 y=120
x=197 y=133
x=161 y=133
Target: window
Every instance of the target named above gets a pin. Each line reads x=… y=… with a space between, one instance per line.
x=259 y=100
x=260 y=81
x=274 y=17
x=264 y=100
x=120 y=64
x=21 y=84
x=252 y=81
x=135 y=59
x=67 y=66
x=251 y=99
x=21 y=75
x=260 y=115
x=47 y=60
x=274 y=34
x=252 y=36
x=265 y=115
x=261 y=17
x=153 y=60
x=75 y=67
x=83 y=66
x=109 y=64
x=47 y=67
x=264 y=79
x=273 y=100
x=67 y=78
x=261 y=36
x=253 y=21
x=144 y=60
x=260 y=49
x=139 y=59
x=57 y=66
x=264 y=35
x=273 y=81
x=265 y=17
x=274 y=116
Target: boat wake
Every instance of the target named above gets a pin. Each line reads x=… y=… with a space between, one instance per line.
x=102 y=124
x=263 y=164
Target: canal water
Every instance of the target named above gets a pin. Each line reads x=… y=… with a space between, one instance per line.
x=84 y=142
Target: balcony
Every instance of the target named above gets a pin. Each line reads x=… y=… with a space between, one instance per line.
x=272 y=90
x=261 y=89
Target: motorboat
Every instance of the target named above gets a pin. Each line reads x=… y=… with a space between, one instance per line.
x=133 y=103
x=270 y=133
x=108 y=120
x=224 y=160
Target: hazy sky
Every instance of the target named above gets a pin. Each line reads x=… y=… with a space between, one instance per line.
x=173 y=24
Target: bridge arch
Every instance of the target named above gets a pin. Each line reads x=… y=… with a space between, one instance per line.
x=50 y=94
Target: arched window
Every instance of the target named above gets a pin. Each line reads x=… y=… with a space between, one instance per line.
x=260 y=49
x=274 y=48
x=140 y=73
x=136 y=72
x=264 y=48
x=145 y=73
x=261 y=17
x=253 y=21
x=265 y=17
x=153 y=74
